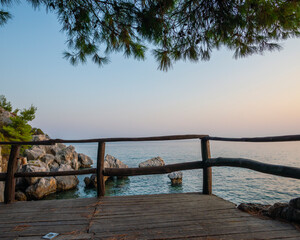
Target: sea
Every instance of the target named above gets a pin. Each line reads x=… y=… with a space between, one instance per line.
x=237 y=185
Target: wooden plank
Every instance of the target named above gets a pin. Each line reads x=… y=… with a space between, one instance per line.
x=207 y=173
x=10 y=183
x=100 y=168
x=166 y=216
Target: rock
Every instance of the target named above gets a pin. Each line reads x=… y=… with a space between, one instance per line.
x=278 y=210
x=112 y=162
x=176 y=177
x=54 y=167
x=84 y=160
x=21 y=184
x=54 y=149
x=157 y=161
x=20 y=196
x=42 y=188
x=91 y=182
x=41 y=137
x=68 y=156
x=34 y=153
x=5 y=117
x=254 y=208
x=48 y=159
x=34 y=166
x=109 y=162
x=66 y=182
x=295 y=203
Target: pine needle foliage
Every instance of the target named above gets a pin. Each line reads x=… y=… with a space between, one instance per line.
x=18 y=129
x=178 y=29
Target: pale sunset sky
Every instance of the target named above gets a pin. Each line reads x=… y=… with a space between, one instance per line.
x=253 y=96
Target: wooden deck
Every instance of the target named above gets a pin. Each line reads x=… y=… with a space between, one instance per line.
x=165 y=216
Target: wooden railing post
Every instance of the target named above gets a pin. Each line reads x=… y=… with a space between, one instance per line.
x=10 y=183
x=207 y=174
x=100 y=168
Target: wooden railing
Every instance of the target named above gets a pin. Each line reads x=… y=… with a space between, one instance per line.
x=207 y=162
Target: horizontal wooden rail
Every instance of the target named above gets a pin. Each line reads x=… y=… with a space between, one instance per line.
x=287 y=138
x=153 y=170
x=279 y=170
x=125 y=139
x=52 y=174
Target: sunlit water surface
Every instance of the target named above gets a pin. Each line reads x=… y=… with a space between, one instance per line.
x=234 y=184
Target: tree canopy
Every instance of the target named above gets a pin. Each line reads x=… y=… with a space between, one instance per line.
x=177 y=29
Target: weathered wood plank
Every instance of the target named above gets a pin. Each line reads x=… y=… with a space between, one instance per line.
x=138 y=217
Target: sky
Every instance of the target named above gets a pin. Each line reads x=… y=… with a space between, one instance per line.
x=254 y=96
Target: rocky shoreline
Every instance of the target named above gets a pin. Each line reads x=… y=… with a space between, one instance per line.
x=53 y=158
x=59 y=157
x=282 y=211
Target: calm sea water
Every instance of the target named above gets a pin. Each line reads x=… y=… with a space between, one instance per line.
x=234 y=184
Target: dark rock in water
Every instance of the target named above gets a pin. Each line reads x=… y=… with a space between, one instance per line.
x=20 y=196
x=91 y=182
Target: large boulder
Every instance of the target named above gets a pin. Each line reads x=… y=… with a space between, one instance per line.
x=36 y=152
x=176 y=177
x=84 y=161
x=42 y=188
x=112 y=162
x=34 y=166
x=66 y=182
x=157 y=161
x=68 y=156
x=109 y=162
